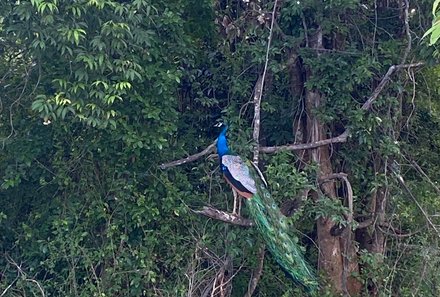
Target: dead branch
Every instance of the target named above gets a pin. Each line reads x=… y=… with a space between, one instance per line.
x=226 y=217
x=407 y=31
x=402 y=183
x=385 y=80
x=10 y=285
x=397 y=233
x=258 y=93
x=259 y=90
x=304 y=146
x=219 y=283
x=343 y=137
x=420 y=170
x=191 y=158
x=23 y=275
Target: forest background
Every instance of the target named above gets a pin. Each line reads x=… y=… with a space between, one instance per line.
x=339 y=98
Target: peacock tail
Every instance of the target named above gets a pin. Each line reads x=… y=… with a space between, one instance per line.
x=275 y=232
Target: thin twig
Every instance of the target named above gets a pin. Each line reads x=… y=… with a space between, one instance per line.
x=401 y=182
x=10 y=285
x=257 y=114
x=23 y=275
x=399 y=235
x=420 y=170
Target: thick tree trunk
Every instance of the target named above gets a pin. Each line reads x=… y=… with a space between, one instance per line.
x=330 y=253
x=338 y=255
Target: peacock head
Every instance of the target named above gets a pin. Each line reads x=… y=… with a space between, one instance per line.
x=222 y=125
x=222 y=142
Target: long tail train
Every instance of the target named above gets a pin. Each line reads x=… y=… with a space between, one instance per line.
x=275 y=231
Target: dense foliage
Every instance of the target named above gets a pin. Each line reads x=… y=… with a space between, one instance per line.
x=96 y=94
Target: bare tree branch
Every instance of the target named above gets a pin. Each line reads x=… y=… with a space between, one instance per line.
x=398 y=234
x=191 y=158
x=385 y=80
x=407 y=31
x=259 y=90
x=10 y=285
x=224 y=216
x=258 y=93
x=304 y=146
x=23 y=275
x=420 y=170
x=402 y=182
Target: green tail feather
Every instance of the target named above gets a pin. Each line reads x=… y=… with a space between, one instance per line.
x=275 y=231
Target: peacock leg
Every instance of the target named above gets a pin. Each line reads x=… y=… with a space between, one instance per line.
x=236 y=209
x=239 y=204
x=236 y=197
x=235 y=201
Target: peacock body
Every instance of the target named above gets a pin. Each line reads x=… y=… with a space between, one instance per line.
x=248 y=181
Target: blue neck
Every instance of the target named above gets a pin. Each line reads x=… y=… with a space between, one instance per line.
x=222 y=143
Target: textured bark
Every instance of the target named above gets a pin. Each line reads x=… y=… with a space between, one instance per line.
x=330 y=253
x=338 y=255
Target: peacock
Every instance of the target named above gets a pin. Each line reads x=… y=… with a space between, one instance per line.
x=246 y=179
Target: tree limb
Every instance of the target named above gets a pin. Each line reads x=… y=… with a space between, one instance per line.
x=207 y=150
x=258 y=93
x=226 y=217
x=407 y=31
x=365 y=224
x=304 y=146
x=259 y=90
x=385 y=80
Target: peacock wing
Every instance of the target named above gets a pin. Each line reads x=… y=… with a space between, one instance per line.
x=240 y=172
